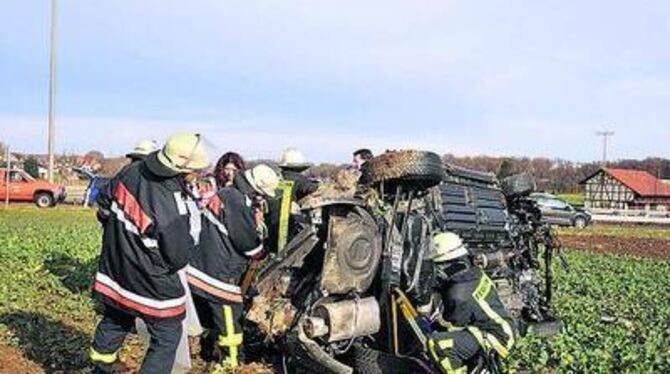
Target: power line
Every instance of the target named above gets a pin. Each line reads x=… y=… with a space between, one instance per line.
x=605 y=134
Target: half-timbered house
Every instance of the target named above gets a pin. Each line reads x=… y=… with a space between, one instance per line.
x=625 y=189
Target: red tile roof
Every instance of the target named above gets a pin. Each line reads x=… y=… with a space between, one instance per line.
x=640 y=181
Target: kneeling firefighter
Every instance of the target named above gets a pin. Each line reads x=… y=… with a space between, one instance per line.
x=228 y=240
x=474 y=326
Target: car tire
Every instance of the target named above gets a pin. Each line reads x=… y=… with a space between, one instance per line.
x=370 y=361
x=412 y=169
x=44 y=200
x=580 y=222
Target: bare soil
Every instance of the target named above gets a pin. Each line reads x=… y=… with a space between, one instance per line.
x=658 y=249
x=13 y=361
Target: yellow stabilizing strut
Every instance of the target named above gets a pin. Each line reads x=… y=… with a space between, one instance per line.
x=410 y=314
x=231 y=340
x=284 y=213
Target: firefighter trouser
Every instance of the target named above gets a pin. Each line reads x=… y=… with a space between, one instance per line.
x=223 y=321
x=451 y=351
x=112 y=330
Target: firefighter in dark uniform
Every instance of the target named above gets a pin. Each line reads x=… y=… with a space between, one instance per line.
x=142 y=149
x=257 y=183
x=148 y=237
x=474 y=322
x=228 y=241
x=283 y=211
x=259 y=186
x=292 y=166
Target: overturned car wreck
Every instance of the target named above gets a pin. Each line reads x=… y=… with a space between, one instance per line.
x=339 y=297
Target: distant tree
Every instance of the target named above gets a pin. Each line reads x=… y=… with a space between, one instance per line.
x=31 y=166
x=111 y=166
x=506 y=168
x=94 y=156
x=268 y=162
x=324 y=171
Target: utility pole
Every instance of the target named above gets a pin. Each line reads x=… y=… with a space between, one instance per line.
x=52 y=86
x=605 y=134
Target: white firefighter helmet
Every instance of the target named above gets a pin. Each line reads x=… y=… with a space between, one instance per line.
x=263 y=179
x=185 y=153
x=293 y=159
x=143 y=148
x=447 y=246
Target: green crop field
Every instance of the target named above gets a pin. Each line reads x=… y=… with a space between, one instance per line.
x=616 y=309
x=576 y=199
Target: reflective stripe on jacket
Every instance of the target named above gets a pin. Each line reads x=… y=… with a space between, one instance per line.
x=146 y=241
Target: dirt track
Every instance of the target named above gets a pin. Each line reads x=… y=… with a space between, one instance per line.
x=658 y=249
x=13 y=361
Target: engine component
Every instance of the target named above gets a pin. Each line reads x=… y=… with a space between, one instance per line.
x=511 y=299
x=415 y=170
x=345 y=319
x=316 y=353
x=518 y=185
x=493 y=259
x=271 y=309
x=315 y=327
x=353 y=252
x=473 y=206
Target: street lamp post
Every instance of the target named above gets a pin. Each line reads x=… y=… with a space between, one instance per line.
x=52 y=86
x=8 y=170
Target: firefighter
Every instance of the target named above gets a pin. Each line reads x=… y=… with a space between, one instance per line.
x=141 y=150
x=228 y=241
x=292 y=165
x=361 y=163
x=474 y=323
x=148 y=237
x=258 y=185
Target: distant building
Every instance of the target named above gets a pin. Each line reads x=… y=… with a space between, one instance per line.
x=625 y=189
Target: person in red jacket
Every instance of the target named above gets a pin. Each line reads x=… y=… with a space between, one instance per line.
x=148 y=237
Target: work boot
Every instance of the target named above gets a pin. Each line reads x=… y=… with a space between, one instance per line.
x=115 y=368
x=208 y=351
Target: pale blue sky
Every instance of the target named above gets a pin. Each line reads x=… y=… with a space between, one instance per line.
x=533 y=78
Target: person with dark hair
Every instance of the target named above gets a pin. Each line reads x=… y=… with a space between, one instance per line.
x=361 y=163
x=228 y=165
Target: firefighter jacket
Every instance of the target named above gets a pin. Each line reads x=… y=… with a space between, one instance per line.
x=241 y=184
x=150 y=228
x=227 y=241
x=471 y=303
x=302 y=186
